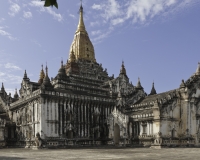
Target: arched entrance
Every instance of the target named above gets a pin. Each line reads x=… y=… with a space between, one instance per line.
x=116 y=134
x=70 y=134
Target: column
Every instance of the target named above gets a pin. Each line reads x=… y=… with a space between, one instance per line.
x=56 y=118
x=52 y=117
x=42 y=115
x=78 y=119
x=85 y=119
x=82 y=115
x=60 y=117
x=65 y=121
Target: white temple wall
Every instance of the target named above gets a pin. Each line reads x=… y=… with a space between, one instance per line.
x=57 y=120
x=176 y=112
x=193 y=121
x=164 y=129
x=52 y=124
x=184 y=115
x=156 y=127
x=43 y=119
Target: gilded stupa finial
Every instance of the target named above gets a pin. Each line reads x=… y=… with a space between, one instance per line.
x=81 y=25
x=42 y=75
x=81 y=46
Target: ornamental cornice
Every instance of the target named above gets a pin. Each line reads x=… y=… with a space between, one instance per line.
x=52 y=95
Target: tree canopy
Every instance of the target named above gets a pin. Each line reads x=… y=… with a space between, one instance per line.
x=50 y=3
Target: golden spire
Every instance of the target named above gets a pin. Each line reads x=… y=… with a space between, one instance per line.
x=81 y=46
x=42 y=75
x=81 y=25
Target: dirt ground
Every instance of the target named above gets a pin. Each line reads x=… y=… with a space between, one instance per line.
x=101 y=153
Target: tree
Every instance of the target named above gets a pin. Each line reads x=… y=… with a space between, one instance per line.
x=50 y=3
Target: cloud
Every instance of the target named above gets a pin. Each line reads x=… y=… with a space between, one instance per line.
x=27 y=15
x=111 y=13
x=73 y=16
x=11 y=66
x=14 y=9
x=2 y=19
x=13 y=79
x=6 y=34
x=36 y=42
x=40 y=5
x=95 y=32
x=111 y=8
x=102 y=34
x=96 y=23
x=97 y=6
x=117 y=21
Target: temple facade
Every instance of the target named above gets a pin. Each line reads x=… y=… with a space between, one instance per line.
x=83 y=105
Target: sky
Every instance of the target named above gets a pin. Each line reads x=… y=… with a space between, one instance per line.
x=158 y=40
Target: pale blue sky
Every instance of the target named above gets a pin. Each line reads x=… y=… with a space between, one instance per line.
x=159 y=40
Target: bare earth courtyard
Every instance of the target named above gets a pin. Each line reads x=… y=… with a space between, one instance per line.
x=101 y=153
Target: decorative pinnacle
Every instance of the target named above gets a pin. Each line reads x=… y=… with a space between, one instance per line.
x=123 y=70
x=2 y=87
x=25 y=75
x=42 y=75
x=81 y=25
x=46 y=69
x=61 y=62
x=182 y=84
x=153 y=91
x=16 y=94
x=139 y=86
x=198 y=69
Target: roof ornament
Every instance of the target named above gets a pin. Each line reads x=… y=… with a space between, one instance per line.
x=182 y=84
x=81 y=25
x=123 y=70
x=153 y=91
x=42 y=75
x=72 y=56
x=16 y=94
x=2 y=88
x=25 y=75
x=198 y=69
x=46 y=80
x=61 y=62
x=139 y=86
x=46 y=70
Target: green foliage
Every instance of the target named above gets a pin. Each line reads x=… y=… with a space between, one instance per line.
x=50 y=3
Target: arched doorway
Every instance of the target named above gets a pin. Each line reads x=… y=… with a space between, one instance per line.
x=116 y=134
x=70 y=134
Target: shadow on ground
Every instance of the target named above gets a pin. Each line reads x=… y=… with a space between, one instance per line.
x=10 y=158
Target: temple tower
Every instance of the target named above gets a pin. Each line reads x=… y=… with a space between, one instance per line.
x=82 y=47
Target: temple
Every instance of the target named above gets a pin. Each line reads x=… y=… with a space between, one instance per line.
x=83 y=105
